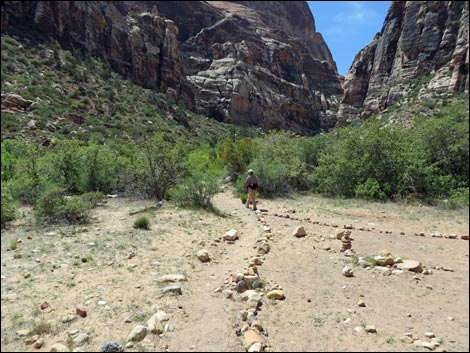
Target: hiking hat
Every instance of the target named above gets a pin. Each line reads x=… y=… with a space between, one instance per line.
x=250 y=171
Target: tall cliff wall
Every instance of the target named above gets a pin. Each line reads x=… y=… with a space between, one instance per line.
x=418 y=38
x=261 y=63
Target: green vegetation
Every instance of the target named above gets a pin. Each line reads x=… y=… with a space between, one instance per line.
x=181 y=156
x=142 y=222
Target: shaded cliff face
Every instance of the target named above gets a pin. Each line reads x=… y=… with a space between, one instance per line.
x=418 y=38
x=261 y=63
x=139 y=45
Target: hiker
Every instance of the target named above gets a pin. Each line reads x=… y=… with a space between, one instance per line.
x=251 y=184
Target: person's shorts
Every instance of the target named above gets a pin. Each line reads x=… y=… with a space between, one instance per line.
x=253 y=186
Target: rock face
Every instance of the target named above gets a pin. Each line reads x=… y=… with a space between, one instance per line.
x=260 y=63
x=139 y=45
x=418 y=38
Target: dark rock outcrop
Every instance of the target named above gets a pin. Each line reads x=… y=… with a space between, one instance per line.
x=252 y=62
x=139 y=45
x=418 y=38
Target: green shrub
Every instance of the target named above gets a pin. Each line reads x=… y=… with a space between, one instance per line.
x=272 y=177
x=157 y=168
x=369 y=190
x=243 y=197
x=8 y=207
x=142 y=222
x=458 y=198
x=55 y=206
x=92 y=198
x=197 y=190
x=25 y=189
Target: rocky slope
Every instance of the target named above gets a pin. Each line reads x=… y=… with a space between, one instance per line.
x=242 y=62
x=418 y=39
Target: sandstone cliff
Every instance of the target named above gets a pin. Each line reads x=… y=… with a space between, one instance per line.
x=260 y=63
x=418 y=38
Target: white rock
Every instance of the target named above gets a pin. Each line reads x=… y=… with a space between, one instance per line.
x=348 y=272
x=162 y=316
x=154 y=325
x=59 y=347
x=232 y=234
x=80 y=339
x=172 y=278
x=203 y=255
x=137 y=334
x=256 y=347
x=410 y=265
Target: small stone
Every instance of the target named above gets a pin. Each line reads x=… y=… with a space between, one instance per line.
x=251 y=337
x=69 y=318
x=450 y=318
x=39 y=343
x=428 y=345
x=358 y=329
x=385 y=253
x=23 y=333
x=129 y=345
x=408 y=315
x=227 y=293
x=137 y=334
x=232 y=235
x=59 y=347
x=276 y=295
x=361 y=303
x=30 y=340
x=44 y=305
x=80 y=339
x=410 y=265
x=406 y=339
x=162 y=316
x=172 y=289
x=154 y=325
x=203 y=255
x=256 y=347
x=81 y=312
x=172 y=278
x=241 y=287
x=348 y=272
x=429 y=335
x=102 y=302
x=371 y=329
x=299 y=232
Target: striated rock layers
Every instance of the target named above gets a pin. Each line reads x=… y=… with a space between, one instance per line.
x=260 y=63
x=139 y=45
x=418 y=38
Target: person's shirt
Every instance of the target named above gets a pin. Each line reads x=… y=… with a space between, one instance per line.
x=251 y=179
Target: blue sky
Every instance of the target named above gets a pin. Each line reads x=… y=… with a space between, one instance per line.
x=348 y=26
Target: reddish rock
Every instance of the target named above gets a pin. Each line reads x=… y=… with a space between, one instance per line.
x=81 y=312
x=44 y=305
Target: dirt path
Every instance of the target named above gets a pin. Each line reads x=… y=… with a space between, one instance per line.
x=109 y=261
x=210 y=317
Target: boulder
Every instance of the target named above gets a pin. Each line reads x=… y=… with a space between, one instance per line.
x=299 y=232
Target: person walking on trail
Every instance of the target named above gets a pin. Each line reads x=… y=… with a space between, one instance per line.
x=251 y=184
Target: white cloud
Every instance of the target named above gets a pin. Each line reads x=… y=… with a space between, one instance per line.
x=356 y=13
